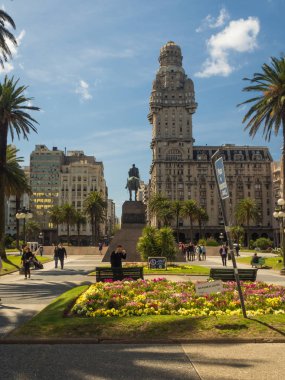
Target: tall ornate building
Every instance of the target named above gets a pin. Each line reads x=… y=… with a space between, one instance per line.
x=180 y=170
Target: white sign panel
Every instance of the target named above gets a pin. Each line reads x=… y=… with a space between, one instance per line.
x=220 y=172
x=203 y=288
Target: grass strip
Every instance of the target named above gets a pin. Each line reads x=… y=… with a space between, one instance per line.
x=195 y=270
x=55 y=322
x=13 y=263
x=272 y=262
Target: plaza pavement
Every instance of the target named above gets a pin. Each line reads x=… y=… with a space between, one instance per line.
x=21 y=299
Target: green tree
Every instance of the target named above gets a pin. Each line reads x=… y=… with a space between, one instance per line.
x=202 y=218
x=237 y=233
x=16 y=182
x=190 y=210
x=177 y=207
x=246 y=211
x=80 y=220
x=157 y=242
x=68 y=217
x=32 y=230
x=268 y=109
x=56 y=216
x=14 y=119
x=95 y=207
x=5 y=37
x=157 y=206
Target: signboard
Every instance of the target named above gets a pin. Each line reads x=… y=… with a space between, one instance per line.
x=203 y=288
x=221 y=177
x=157 y=263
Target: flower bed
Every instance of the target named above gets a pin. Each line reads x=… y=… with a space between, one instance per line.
x=162 y=297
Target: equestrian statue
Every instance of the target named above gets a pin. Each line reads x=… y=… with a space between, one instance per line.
x=133 y=182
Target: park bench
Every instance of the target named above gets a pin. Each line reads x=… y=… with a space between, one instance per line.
x=259 y=263
x=227 y=274
x=118 y=274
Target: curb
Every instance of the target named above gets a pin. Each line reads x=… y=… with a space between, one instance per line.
x=137 y=342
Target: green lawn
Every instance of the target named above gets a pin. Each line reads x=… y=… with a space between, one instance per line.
x=14 y=262
x=195 y=270
x=55 y=322
x=272 y=262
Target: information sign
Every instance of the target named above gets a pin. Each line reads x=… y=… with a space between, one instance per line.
x=157 y=263
x=203 y=288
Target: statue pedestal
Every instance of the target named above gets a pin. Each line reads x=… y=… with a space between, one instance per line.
x=133 y=214
x=133 y=222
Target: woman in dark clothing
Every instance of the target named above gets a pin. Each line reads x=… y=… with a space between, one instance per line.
x=117 y=256
x=26 y=259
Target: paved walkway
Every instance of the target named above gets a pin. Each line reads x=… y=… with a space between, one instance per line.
x=21 y=299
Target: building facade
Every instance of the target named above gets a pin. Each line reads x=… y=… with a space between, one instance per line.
x=45 y=168
x=181 y=171
x=80 y=175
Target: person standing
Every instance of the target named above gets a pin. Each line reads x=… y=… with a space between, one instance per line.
x=41 y=250
x=26 y=259
x=224 y=254
x=100 y=246
x=191 y=252
x=203 y=249
x=61 y=253
x=117 y=256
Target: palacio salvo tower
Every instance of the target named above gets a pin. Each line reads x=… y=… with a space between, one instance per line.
x=181 y=170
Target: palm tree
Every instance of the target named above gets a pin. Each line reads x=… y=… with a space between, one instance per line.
x=32 y=229
x=190 y=208
x=68 y=217
x=156 y=203
x=16 y=182
x=177 y=207
x=202 y=217
x=165 y=212
x=5 y=37
x=246 y=211
x=94 y=207
x=13 y=119
x=56 y=217
x=268 y=109
x=237 y=233
x=80 y=220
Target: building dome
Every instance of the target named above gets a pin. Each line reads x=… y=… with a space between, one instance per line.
x=170 y=55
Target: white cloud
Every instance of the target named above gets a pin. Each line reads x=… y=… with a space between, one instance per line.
x=8 y=66
x=83 y=90
x=239 y=36
x=212 y=22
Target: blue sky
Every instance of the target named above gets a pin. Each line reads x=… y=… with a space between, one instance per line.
x=90 y=65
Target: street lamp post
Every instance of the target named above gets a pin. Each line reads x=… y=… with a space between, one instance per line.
x=221 y=237
x=24 y=214
x=279 y=214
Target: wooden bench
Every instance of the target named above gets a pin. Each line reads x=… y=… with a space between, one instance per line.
x=227 y=274
x=259 y=264
x=118 y=274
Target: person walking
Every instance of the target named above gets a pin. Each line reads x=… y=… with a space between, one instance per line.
x=100 y=246
x=224 y=254
x=55 y=256
x=203 y=249
x=41 y=250
x=26 y=259
x=117 y=256
x=61 y=253
x=237 y=249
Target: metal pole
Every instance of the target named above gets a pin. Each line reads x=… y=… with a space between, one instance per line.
x=283 y=246
x=228 y=234
x=24 y=230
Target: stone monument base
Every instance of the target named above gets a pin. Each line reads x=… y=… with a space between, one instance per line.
x=133 y=222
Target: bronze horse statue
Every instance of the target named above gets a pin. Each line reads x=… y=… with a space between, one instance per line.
x=133 y=184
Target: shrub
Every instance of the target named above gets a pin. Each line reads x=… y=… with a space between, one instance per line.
x=202 y=242
x=263 y=243
x=212 y=243
x=157 y=242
